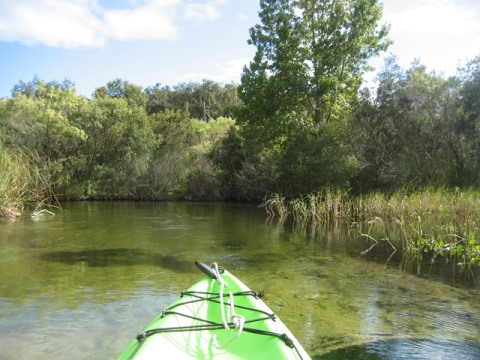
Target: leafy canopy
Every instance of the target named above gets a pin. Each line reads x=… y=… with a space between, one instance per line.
x=310 y=58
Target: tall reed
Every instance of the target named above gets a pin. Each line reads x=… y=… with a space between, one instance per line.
x=334 y=206
x=276 y=204
x=434 y=220
x=328 y=206
x=22 y=182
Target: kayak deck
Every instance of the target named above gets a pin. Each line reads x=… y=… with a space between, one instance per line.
x=192 y=327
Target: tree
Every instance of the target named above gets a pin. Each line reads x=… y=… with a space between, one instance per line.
x=310 y=58
x=38 y=119
x=34 y=87
x=118 y=149
x=205 y=101
x=182 y=166
x=407 y=133
x=297 y=90
x=122 y=89
x=469 y=124
x=158 y=98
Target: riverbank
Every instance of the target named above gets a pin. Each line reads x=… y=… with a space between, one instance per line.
x=434 y=221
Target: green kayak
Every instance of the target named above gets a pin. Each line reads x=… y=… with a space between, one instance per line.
x=217 y=318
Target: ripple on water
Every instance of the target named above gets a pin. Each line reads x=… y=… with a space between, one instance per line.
x=410 y=349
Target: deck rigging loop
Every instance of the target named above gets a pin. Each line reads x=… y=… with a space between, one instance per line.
x=237 y=320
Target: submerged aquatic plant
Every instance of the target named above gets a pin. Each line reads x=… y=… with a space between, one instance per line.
x=369 y=236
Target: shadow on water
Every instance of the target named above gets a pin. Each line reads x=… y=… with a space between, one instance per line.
x=119 y=257
x=406 y=349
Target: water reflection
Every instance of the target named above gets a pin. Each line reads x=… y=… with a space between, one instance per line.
x=104 y=270
x=408 y=349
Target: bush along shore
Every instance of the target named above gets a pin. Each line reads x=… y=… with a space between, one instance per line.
x=433 y=222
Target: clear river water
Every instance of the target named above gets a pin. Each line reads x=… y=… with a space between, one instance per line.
x=83 y=283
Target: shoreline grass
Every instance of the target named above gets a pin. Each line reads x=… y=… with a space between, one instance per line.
x=21 y=183
x=443 y=222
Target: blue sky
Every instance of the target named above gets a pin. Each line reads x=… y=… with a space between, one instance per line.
x=145 y=42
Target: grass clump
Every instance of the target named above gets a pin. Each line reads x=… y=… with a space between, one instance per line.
x=437 y=221
x=21 y=182
x=328 y=206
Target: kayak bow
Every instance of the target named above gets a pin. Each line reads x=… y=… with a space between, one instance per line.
x=217 y=318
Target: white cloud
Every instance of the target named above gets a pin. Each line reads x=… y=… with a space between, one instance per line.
x=228 y=71
x=85 y=23
x=201 y=11
x=441 y=33
x=222 y=71
x=53 y=23
x=152 y=21
x=242 y=17
x=436 y=18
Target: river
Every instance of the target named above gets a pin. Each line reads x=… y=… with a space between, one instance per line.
x=81 y=284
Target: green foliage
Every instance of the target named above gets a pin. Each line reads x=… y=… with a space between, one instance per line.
x=41 y=122
x=407 y=133
x=37 y=118
x=202 y=183
x=168 y=169
x=206 y=100
x=305 y=74
x=228 y=157
x=417 y=130
x=118 y=148
x=310 y=58
x=181 y=166
x=245 y=172
x=121 y=89
x=36 y=87
x=469 y=118
x=109 y=147
x=314 y=160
